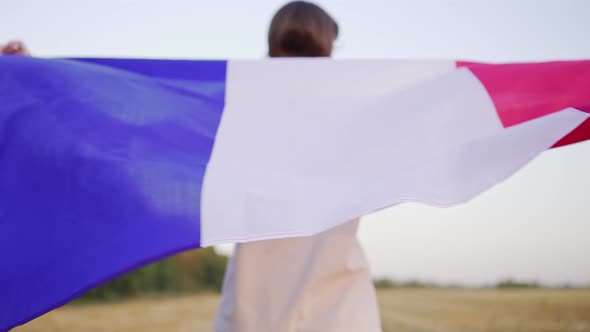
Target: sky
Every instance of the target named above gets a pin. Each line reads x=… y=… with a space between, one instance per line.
x=535 y=226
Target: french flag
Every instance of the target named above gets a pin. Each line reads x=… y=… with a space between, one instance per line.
x=109 y=164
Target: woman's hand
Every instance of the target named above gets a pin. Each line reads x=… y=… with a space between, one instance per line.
x=15 y=47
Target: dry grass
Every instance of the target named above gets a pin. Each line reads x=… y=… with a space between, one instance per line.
x=403 y=310
x=192 y=313
x=485 y=310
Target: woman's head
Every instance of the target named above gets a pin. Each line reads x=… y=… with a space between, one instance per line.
x=301 y=29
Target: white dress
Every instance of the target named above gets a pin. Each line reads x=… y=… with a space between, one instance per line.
x=318 y=283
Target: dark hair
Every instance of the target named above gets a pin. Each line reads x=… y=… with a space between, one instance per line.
x=301 y=29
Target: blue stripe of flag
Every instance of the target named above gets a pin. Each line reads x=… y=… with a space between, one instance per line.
x=101 y=167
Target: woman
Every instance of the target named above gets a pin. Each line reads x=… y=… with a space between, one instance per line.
x=318 y=283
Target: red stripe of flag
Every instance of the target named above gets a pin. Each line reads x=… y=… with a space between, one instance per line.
x=522 y=92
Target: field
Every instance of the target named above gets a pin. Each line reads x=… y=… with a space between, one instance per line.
x=403 y=310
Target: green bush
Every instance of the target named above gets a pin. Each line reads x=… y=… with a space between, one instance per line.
x=509 y=283
x=191 y=271
x=384 y=283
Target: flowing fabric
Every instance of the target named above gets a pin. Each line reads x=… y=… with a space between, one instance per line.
x=109 y=164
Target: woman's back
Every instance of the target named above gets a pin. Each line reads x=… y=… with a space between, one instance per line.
x=317 y=283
